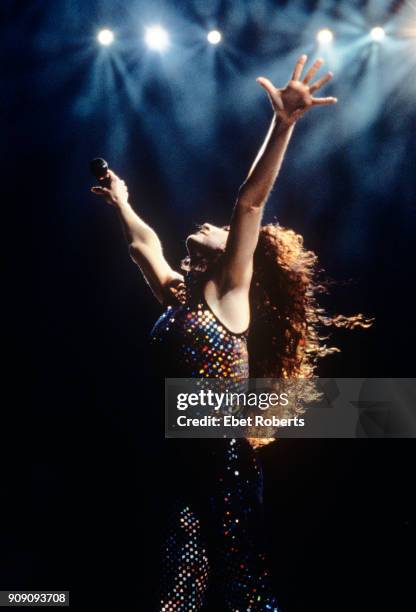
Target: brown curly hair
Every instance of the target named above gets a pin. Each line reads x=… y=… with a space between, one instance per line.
x=284 y=336
x=284 y=341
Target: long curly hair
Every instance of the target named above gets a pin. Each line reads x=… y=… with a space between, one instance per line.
x=285 y=338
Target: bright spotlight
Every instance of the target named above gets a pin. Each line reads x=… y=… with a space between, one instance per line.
x=105 y=37
x=214 y=37
x=324 y=36
x=377 y=33
x=156 y=38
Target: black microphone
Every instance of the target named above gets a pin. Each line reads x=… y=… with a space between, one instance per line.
x=99 y=168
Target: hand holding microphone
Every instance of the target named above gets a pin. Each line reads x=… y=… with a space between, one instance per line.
x=111 y=187
x=99 y=168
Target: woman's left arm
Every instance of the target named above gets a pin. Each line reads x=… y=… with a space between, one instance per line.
x=289 y=104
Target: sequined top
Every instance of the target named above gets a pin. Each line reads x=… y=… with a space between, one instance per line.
x=189 y=340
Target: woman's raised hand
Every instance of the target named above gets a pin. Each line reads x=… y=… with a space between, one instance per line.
x=291 y=102
x=116 y=194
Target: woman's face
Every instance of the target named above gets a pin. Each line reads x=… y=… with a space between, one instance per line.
x=208 y=238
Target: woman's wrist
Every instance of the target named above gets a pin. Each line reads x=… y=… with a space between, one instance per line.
x=122 y=204
x=282 y=122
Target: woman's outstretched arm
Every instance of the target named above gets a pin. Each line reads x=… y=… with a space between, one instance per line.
x=228 y=292
x=144 y=245
x=289 y=104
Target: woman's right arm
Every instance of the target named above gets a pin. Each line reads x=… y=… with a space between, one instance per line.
x=144 y=245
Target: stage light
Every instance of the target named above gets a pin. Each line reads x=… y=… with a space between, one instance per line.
x=324 y=36
x=377 y=33
x=156 y=38
x=105 y=37
x=214 y=37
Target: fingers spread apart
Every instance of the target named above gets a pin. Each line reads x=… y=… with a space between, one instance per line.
x=329 y=100
x=313 y=70
x=299 y=67
x=315 y=86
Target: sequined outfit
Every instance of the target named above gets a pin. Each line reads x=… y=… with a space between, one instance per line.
x=211 y=556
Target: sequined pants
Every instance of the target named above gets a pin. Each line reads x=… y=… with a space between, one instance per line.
x=212 y=554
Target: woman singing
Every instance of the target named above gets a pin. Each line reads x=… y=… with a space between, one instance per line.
x=245 y=306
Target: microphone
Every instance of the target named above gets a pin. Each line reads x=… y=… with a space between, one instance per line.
x=99 y=168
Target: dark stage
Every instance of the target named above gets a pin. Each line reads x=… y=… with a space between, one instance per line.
x=182 y=128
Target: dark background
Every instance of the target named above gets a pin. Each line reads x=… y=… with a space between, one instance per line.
x=182 y=129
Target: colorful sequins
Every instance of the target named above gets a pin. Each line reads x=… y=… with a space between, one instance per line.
x=186 y=565
x=204 y=348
